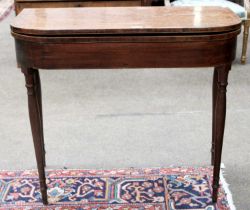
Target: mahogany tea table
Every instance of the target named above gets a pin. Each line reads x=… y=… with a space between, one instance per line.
x=138 y=37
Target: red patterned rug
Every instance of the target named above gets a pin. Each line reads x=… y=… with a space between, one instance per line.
x=130 y=189
x=6 y=7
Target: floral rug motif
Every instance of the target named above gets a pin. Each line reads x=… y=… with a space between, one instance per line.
x=6 y=7
x=120 y=189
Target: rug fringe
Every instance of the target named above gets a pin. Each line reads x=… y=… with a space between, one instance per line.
x=226 y=188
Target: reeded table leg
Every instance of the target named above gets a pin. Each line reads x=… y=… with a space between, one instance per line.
x=34 y=102
x=219 y=122
x=39 y=99
x=215 y=78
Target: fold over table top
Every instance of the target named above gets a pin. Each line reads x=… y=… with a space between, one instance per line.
x=125 y=20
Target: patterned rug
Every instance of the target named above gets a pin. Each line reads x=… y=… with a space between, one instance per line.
x=6 y=7
x=123 y=189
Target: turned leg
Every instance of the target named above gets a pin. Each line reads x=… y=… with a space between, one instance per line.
x=219 y=123
x=245 y=40
x=35 y=114
x=214 y=96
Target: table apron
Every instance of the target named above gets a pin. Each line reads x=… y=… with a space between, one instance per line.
x=105 y=55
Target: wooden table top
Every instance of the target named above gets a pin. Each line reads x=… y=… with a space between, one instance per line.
x=124 y=20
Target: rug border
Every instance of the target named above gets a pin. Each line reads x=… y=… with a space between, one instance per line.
x=111 y=169
x=224 y=185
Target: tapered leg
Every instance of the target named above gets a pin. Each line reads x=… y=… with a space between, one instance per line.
x=39 y=99
x=35 y=114
x=219 y=123
x=245 y=40
x=214 y=96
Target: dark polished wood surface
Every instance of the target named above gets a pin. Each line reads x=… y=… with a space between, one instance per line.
x=124 y=20
x=138 y=38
